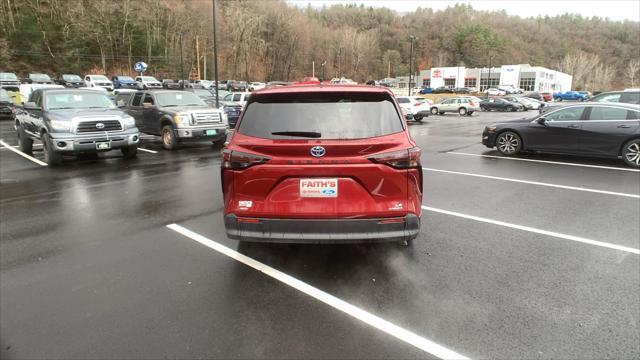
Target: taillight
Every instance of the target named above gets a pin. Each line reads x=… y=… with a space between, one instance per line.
x=402 y=159
x=417 y=104
x=237 y=160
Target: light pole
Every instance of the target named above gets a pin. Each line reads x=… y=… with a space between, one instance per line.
x=411 y=64
x=322 y=65
x=215 y=52
x=490 y=65
x=181 y=61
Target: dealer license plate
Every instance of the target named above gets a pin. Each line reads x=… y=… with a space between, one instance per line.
x=103 y=145
x=319 y=188
x=211 y=132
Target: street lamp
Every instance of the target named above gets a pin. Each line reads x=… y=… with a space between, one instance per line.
x=322 y=65
x=181 y=61
x=411 y=64
x=215 y=53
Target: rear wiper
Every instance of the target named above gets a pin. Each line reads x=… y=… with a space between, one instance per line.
x=307 y=134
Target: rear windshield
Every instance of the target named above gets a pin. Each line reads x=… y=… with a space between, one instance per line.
x=335 y=115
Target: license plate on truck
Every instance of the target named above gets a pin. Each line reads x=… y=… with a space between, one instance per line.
x=211 y=132
x=319 y=188
x=103 y=145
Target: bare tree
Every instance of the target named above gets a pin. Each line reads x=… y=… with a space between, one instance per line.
x=632 y=69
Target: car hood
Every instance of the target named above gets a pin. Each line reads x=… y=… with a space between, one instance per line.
x=83 y=113
x=127 y=82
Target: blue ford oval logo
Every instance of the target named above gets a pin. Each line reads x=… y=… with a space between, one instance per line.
x=328 y=191
x=317 y=151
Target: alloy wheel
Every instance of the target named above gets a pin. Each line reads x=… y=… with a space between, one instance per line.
x=508 y=143
x=633 y=153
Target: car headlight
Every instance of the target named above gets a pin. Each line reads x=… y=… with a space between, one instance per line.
x=129 y=121
x=182 y=119
x=60 y=125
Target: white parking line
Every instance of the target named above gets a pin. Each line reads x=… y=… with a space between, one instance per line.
x=147 y=150
x=545 y=161
x=537 y=231
x=634 y=196
x=338 y=304
x=9 y=147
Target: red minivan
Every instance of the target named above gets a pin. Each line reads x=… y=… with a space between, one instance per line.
x=322 y=164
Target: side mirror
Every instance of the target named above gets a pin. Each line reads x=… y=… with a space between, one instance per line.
x=31 y=106
x=542 y=121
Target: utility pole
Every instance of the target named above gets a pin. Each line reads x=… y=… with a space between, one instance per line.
x=181 y=60
x=198 y=57
x=313 y=69
x=322 y=65
x=340 y=62
x=204 y=62
x=389 y=69
x=411 y=64
x=490 y=65
x=215 y=53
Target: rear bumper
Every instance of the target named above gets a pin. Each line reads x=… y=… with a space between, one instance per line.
x=322 y=230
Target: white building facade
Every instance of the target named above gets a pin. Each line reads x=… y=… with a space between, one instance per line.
x=525 y=76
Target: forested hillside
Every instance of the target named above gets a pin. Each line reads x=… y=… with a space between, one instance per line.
x=273 y=40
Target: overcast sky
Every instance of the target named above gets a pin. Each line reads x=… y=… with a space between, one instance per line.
x=614 y=9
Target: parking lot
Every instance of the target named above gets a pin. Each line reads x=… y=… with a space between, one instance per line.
x=529 y=257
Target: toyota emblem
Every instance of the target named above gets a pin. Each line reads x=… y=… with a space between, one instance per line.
x=317 y=151
x=99 y=126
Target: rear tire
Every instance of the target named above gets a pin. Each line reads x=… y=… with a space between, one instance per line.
x=169 y=140
x=631 y=153
x=51 y=156
x=417 y=118
x=129 y=152
x=508 y=143
x=434 y=111
x=462 y=111
x=26 y=144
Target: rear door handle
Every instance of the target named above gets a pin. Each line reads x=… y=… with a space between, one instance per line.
x=624 y=126
x=573 y=126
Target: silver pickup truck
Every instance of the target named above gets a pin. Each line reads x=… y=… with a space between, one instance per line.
x=72 y=121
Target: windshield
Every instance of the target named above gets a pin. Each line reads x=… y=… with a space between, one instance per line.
x=4 y=95
x=71 y=78
x=125 y=78
x=77 y=100
x=336 y=115
x=203 y=93
x=99 y=78
x=8 y=76
x=149 y=78
x=42 y=77
x=181 y=98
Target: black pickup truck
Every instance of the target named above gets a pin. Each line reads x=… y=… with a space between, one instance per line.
x=72 y=121
x=177 y=116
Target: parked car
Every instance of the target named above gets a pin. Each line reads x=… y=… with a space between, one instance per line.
x=343 y=81
x=462 y=90
x=207 y=96
x=588 y=129
x=547 y=96
x=271 y=84
x=587 y=94
x=98 y=81
x=569 y=95
x=256 y=86
x=70 y=81
x=494 y=92
x=205 y=84
x=527 y=104
x=9 y=79
x=306 y=164
x=628 y=96
x=442 y=90
x=39 y=79
x=170 y=84
x=534 y=95
x=7 y=106
x=233 y=112
x=510 y=89
x=240 y=98
x=124 y=82
x=414 y=108
x=72 y=121
x=500 y=104
x=148 y=82
x=177 y=116
x=425 y=90
x=464 y=105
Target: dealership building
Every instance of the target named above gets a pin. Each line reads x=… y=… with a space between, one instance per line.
x=525 y=76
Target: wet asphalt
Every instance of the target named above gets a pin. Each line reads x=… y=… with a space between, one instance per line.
x=88 y=268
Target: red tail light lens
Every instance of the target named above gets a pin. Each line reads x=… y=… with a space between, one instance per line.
x=403 y=159
x=417 y=104
x=237 y=160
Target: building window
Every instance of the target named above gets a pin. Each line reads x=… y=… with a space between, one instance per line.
x=485 y=83
x=528 y=84
x=450 y=83
x=426 y=82
x=471 y=83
